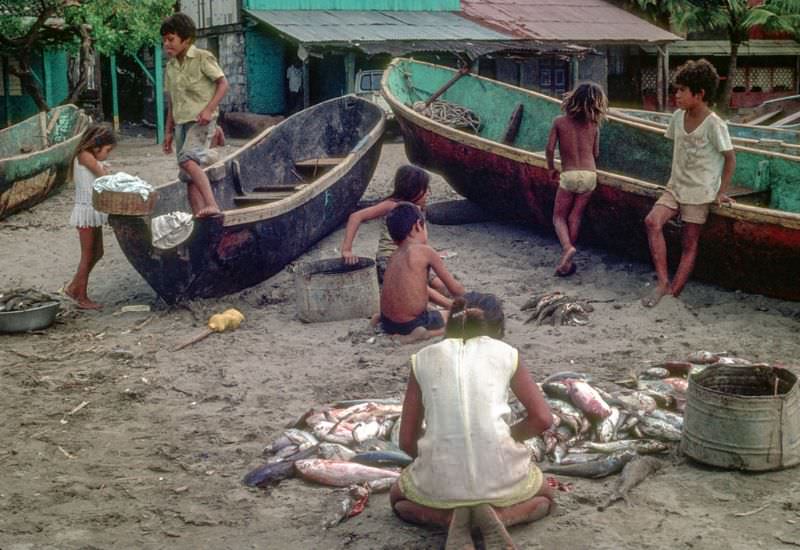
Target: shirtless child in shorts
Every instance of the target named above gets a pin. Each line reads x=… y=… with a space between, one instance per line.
x=576 y=134
x=404 y=297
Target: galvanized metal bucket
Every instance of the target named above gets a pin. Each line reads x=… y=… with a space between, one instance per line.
x=330 y=290
x=743 y=417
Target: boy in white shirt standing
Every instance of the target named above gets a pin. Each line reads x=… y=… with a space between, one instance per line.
x=703 y=162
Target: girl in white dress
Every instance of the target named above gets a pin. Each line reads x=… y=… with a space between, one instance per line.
x=87 y=165
x=470 y=467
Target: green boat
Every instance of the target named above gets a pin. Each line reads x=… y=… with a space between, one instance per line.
x=498 y=162
x=780 y=140
x=35 y=156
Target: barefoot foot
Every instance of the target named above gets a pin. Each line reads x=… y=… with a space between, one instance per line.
x=565 y=262
x=458 y=535
x=570 y=271
x=494 y=532
x=655 y=296
x=207 y=212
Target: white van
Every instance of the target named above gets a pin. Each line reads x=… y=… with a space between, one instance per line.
x=368 y=86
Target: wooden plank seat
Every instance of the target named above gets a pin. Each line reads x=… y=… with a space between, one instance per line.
x=260 y=198
x=323 y=162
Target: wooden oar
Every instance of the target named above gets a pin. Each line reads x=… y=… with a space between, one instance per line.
x=461 y=72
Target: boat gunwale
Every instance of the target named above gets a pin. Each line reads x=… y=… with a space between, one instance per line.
x=736 y=210
x=81 y=125
x=263 y=212
x=748 y=143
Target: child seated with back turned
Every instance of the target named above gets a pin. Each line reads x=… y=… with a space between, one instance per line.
x=470 y=466
x=404 y=296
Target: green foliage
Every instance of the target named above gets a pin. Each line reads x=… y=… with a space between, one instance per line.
x=122 y=26
x=735 y=17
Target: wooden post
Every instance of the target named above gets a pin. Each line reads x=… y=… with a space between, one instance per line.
x=575 y=70
x=660 y=78
x=666 y=77
x=114 y=92
x=158 y=69
x=350 y=72
x=6 y=92
x=306 y=92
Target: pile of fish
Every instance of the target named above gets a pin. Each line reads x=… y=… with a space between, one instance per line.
x=595 y=432
x=555 y=308
x=351 y=444
x=20 y=299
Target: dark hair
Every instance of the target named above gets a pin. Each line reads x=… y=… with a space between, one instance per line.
x=402 y=219
x=476 y=314
x=94 y=137
x=586 y=103
x=180 y=24
x=698 y=75
x=410 y=183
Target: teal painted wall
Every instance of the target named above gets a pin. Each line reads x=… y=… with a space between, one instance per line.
x=398 y=5
x=266 y=73
x=51 y=68
x=56 y=82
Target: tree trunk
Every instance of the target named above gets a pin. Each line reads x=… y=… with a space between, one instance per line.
x=29 y=84
x=83 y=68
x=727 y=88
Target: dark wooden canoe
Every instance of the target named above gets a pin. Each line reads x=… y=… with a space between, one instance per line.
x=280 y=193
x=35 y=156
x=752 y=246
x=760 y=137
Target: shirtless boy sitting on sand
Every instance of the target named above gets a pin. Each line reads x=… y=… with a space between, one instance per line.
x=404 y=297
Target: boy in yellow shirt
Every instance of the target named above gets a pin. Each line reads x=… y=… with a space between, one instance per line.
x=195 y=85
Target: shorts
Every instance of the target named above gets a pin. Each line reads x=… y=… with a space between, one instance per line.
x=428 y=319
x=193 y=142
x=578 y=181
x=689 y=213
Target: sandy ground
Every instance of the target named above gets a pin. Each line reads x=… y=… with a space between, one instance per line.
x=155 y=459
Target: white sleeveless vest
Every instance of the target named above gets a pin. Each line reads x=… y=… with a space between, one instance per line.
x=467 y=455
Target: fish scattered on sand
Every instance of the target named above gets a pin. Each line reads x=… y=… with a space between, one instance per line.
x=634 y=472
x=19 y=299
x=383 y=458
x=337 y=473
x=602 y=467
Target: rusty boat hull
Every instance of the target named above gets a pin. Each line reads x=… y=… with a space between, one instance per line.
x=746 y=246
x=283 y=191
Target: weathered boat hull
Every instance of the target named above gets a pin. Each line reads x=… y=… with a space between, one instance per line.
x=760 y=137
x=245 y=246
x=29 y=172
x=743 y=247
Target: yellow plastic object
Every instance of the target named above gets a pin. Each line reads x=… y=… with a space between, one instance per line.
x=228 y=319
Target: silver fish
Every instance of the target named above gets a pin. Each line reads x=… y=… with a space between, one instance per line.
x=537 y=448
x=658 y=429
x=602 y=467
x=335 y=451
x=606 y=429
x=641 y=446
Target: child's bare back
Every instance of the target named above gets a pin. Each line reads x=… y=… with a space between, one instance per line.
x=577 y=143
x=405 y=285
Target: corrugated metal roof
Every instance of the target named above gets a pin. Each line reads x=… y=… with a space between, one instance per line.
x=317 y=26
x=586 y=21
x=723 y=47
